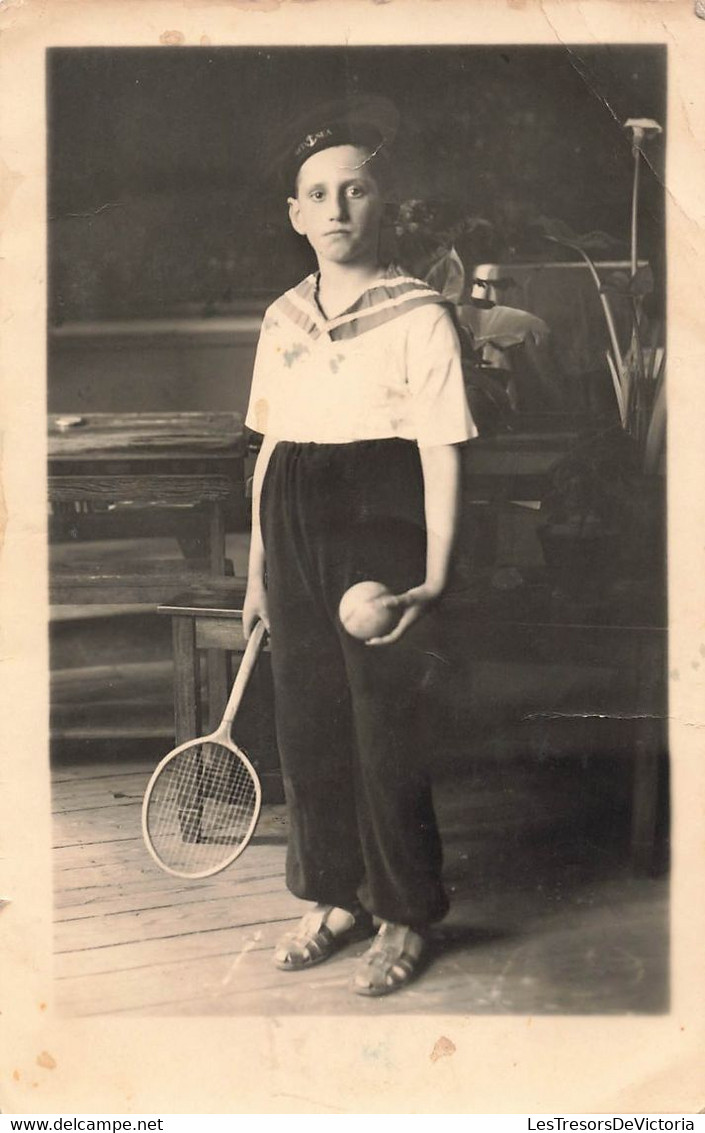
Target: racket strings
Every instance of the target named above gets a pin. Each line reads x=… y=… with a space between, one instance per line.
x=202 y=808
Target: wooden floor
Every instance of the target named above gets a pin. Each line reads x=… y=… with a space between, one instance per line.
x=546 y=917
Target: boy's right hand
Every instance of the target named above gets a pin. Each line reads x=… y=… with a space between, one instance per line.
x=255 y=608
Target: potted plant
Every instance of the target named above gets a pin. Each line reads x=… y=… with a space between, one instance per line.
x=604 y=507
x=603 y=511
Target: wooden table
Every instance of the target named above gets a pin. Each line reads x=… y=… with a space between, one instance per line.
x=114 y=476
x=137 y=475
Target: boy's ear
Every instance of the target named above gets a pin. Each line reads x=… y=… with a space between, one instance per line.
x=295 y=216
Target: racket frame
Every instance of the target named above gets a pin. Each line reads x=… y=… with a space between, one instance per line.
x=220 y=736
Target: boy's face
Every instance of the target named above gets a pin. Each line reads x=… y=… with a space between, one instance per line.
x=338 y=205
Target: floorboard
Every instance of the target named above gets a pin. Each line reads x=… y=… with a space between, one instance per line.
x=545 y=918
x=140 y=902
x=145 y=954
x=105 y=888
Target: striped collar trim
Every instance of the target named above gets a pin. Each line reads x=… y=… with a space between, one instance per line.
x=383 y=300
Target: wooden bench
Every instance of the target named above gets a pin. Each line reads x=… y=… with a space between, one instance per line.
x=209 y=619
x=203 y=618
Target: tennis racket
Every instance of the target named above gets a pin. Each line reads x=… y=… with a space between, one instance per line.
x=203 y=800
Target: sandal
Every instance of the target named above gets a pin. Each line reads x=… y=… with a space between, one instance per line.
x=313 y=941
x=394 y=958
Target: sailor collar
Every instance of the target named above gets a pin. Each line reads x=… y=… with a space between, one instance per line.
x=384 y=300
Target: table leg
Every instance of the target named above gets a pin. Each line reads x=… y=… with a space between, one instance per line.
x=217 y=666
x=187 y=722
x=217 y=661
x=216 y=538
x=649 y=741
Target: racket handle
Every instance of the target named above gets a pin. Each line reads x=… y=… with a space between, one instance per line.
x=249 y=660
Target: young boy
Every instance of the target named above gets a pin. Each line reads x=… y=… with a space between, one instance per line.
x=359 y=394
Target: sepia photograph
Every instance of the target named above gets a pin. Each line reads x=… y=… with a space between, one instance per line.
x=358 y=356
x=351 y=590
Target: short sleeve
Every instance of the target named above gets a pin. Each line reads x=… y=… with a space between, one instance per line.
x=434 y=372
x=259 y=408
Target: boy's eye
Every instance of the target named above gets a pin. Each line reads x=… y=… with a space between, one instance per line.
x=356 y=191
x=316 y=194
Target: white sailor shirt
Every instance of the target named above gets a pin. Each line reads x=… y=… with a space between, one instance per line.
x=389 y=366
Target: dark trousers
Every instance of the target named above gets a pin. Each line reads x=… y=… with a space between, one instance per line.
x=350 y=716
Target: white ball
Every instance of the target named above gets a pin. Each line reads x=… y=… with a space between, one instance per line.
x=362 y=612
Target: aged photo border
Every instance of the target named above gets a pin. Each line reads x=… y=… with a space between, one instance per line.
x=501 y=1064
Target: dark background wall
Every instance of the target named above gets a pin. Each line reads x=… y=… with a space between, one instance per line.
x=157 y=204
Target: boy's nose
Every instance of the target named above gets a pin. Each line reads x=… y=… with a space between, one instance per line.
x=340 y=207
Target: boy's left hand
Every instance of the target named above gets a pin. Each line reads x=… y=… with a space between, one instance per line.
x=414 y=603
